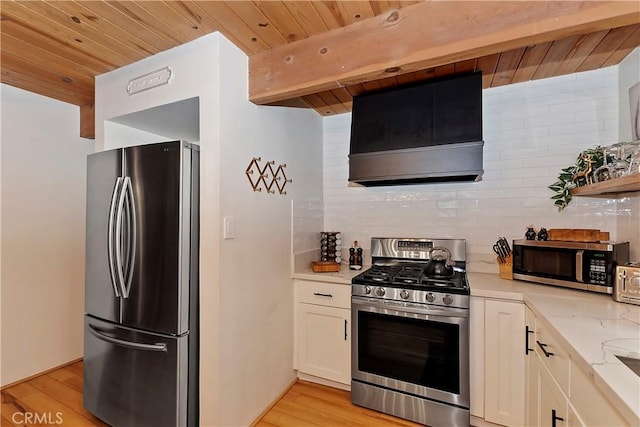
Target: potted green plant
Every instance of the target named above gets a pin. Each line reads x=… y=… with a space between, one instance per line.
x=577 y=175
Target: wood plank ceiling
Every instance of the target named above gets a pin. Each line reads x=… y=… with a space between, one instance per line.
x=56 y=48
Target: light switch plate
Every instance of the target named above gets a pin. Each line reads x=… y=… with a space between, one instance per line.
x=229 y=231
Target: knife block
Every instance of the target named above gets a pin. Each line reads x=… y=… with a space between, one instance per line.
x=506 y=268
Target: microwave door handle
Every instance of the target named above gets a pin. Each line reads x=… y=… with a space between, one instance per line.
x=579 y=262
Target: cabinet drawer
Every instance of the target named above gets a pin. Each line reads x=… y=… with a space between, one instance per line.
x=321 y=293
x=552 y=355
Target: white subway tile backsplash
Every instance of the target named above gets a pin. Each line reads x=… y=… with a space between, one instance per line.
x=531 y=131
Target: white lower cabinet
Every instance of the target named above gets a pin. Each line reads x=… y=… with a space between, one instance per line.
x=504 y=363
x=323 y=330
x=552 y=403
x=559 y=392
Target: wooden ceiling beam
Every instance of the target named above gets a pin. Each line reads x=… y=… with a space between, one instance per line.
x=424 y=35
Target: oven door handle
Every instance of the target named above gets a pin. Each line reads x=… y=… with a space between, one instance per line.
x=401 y=307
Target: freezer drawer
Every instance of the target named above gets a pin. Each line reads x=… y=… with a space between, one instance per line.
x=132 y=378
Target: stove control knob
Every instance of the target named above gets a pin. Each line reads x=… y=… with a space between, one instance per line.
x=448 y=299
x=367 y=290
x=431 y=297
x=380 y=292
x=404 y=294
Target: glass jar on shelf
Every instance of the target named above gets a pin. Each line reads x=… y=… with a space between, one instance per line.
x=605 y=172
x=634 y=158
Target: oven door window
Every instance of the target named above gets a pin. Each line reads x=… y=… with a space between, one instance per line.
x=416 y=351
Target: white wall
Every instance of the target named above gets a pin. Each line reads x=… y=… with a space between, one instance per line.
x=245 y=283
x=628 y=75
x=43 y=217
x=531 y=131
x=628 y=206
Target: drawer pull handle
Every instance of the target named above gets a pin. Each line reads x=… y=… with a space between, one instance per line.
x=345 y=329
x=555 y=418
x=544 y=350
x=526 y=340
x=318 y=294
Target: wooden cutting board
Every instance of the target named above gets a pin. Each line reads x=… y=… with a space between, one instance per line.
x=325 y=267
x=578 y=234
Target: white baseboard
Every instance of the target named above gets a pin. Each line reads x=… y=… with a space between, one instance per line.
x=328 y=383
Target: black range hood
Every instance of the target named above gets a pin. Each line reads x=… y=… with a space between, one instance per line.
x=425 y=133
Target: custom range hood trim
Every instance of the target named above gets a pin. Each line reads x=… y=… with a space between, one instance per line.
x=459 y=162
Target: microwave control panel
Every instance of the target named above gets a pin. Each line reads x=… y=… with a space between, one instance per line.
x=598 y=268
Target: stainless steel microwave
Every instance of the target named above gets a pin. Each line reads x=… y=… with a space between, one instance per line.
x=576 y=265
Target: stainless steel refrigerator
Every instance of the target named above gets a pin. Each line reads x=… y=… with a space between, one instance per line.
x=141 y=295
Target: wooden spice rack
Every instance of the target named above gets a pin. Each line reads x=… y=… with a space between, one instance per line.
x=625 y=184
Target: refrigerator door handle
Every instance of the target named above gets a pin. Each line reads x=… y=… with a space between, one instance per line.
x=111 y=236
x=128 y=344
x=118 y=241
x=127 y=269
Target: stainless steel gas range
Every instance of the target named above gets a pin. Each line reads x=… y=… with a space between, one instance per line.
x=410 y=331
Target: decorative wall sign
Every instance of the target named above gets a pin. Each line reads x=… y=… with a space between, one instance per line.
x=265 y=177
x=149 y=81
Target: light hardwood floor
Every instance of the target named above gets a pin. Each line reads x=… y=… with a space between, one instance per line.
x=59 y=393
x=56 y=396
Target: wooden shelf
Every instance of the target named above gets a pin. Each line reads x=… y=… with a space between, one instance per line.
x=625 y=184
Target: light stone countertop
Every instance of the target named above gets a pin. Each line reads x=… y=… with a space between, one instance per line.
x=343 y=276
x=594 y=328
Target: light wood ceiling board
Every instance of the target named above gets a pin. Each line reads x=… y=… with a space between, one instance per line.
x=333 y=102
x=119 y=18
x=34 y=57
x=281 y=18
x=356 y=89
x=581 y=50
x=235 y=28
x=457 y=31
x=507 y=66
x=613 y=40
x=307 y=16
x=67 y=32
x=355 y=11
x=330 y=14
x=444 y=70
x=88 y=121
x=72 y=56
x=253 y=17
x=371 y=85
x=147 y=19
x=344 y=97
x=388 y=82
x=100 y=23
x=557 y=53
x=406 y=78
x=530 y=61
x=427 y=73
x=467 y=66
x=632 y=42
x=42 y=81
x=181 y=15
x=318 y=104
x=380 y=7
x=487 y=65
